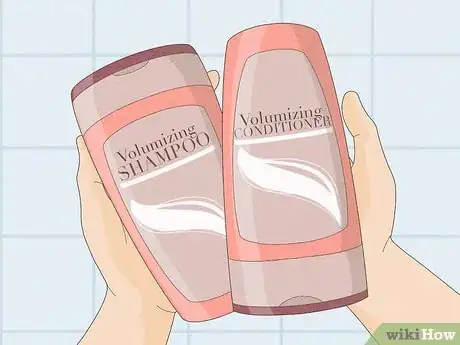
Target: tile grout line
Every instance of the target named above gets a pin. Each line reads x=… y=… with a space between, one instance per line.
x=372 y=67
x=426 y=236
x=1 y=173
x=428 y=148
x=43 y=236
x=188 y=328
x=77 y=236
x=93 y=62
x=281 y=4
x=118 y=54
x=189 y=23
x=93 y=33
x=40 y=147
x=215 y=331
x=281 y=322
x=281 y=330
x=386 y=147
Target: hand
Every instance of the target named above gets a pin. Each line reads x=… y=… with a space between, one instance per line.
x=375 y=195
x=134 y=304
x=401 y=290
x=374 y=184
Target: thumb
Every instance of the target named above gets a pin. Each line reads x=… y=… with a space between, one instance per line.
x=101 y=225
x=214 y=77
x=368 y=149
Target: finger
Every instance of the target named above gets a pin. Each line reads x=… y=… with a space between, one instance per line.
x=88 y=180
x=215 y=78
x=86 y=171
x=97 y=212
x=367 y=146
x=111 y=247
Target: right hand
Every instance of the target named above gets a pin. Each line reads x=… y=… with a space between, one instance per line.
x=374 y=183
x=375 y=190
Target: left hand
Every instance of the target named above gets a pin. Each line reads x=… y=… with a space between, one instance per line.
x=134 y=303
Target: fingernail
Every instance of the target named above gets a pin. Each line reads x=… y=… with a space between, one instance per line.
x=357 y=96
x=80 y=142
x=353 y=94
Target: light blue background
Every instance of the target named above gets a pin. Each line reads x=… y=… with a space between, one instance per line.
x=403 y=56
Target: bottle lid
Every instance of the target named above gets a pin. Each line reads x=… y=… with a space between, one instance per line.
x=124 y=64
x=266 y=37
x=136 y=77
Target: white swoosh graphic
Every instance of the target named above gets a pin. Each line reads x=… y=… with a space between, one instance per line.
x=175 y=216
x=269 y=175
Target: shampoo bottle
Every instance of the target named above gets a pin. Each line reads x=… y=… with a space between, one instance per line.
x=152 y=124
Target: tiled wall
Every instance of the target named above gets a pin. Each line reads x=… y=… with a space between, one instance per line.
x=403 y=56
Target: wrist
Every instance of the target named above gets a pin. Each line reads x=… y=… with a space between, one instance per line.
x=131 y=320
x=142 y=310
x=378 y=271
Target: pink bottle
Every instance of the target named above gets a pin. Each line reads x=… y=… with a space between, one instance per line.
x=152 y=125
x=293 y=234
